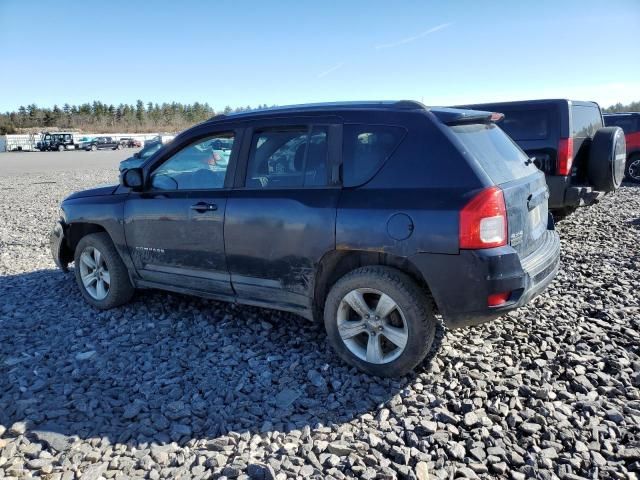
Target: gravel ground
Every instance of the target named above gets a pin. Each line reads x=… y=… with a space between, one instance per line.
x=177 y=387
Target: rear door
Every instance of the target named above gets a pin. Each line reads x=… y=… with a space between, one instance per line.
x=536 y=130
x=585 y=120
x=280 y=219
x=524 y=187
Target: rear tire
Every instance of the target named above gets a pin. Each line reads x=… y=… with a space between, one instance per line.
x=61 y=148
x=632 y=170
x=102 y=278
x=607 y=159
x=399 y=331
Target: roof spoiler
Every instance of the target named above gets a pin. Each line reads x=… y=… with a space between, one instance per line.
x=458 y=116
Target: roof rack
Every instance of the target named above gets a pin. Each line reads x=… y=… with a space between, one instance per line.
x=309 y=107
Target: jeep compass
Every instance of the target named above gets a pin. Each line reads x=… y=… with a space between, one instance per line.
x=371 y=217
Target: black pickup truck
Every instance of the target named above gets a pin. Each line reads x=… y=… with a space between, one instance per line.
x=582 y=159
x=103 y=143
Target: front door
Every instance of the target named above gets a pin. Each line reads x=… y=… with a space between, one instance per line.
x=174 y=230
x=281 y=219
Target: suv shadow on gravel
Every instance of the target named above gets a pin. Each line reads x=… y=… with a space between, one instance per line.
x=166 y=368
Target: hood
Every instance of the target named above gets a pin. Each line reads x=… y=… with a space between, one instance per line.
x=100 y=190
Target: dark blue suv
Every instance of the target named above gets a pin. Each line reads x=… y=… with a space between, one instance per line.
x=372 y=217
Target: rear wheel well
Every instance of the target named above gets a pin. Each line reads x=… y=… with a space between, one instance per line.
x=75 y=232
x=334 y=265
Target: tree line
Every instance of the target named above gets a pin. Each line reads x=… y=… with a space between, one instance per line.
x=619 y=107
x=107 y=118
x=141 y=117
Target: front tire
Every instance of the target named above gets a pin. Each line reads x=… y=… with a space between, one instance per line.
x=100 y=273
x=632 y=172
x=380 y=321
x=93 y=148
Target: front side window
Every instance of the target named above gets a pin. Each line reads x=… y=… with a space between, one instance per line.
x=365 y=148
x=202 y=165
x=289 y=157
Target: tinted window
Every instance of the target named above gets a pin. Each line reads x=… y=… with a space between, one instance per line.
x=526 y=124
x=585 y=120
x=365 y=148
x=498 y=155
x=198 y=166
x=627 y=123
x=291 y=157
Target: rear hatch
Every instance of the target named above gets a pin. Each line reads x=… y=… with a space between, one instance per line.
x=524 y=187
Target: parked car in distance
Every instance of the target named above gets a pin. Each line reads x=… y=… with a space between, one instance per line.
x=140 y=157
x=629 y=122
x=83 y=142
x=164 y=139
x=56 y=141
x=128 y=142
x=382 y=215
x=103 y=143
x=581 y=158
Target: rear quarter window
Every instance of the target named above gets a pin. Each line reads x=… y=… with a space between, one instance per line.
x=585 y=120
x=526 y=124
x=365 y=148
x=498 y=155
x=627 y=123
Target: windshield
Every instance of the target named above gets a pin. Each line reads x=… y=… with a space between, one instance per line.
x=498 y=155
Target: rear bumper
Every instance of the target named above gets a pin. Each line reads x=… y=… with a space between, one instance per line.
x=461 y=284
x=563 y=194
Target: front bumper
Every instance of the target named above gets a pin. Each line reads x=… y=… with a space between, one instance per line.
x=563 y=194
x=461 y=284
x=58 y=245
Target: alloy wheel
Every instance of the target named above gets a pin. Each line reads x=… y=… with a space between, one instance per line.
x=634 y=170
x=94 y=273
x=372 y=325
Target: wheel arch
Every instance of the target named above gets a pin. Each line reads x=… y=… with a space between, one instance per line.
x=75 y=232
x=337 y=263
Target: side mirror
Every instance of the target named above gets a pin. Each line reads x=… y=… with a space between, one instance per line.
x=136 y=155
x=133 y=179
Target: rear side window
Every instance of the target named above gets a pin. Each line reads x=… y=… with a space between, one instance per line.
x=498 y=155
x=585 y=120
x=365 y=148
x=627 y=123
x=526 y=124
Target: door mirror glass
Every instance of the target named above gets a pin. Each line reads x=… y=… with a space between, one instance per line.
x=133 y=179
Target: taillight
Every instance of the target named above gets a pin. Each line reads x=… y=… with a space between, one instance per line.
x=483 y=221
x=565 y=156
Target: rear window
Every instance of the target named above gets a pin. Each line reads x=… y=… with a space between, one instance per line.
x=585 y=120
x=365 y=148
x=526 y=124
x=627 y=123
x=498 y=155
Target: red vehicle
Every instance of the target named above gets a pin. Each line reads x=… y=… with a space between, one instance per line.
x=629 y=122
x=128 y=142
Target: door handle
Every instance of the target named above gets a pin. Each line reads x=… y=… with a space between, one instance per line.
x=204 y=207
